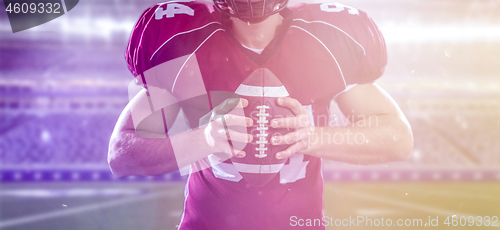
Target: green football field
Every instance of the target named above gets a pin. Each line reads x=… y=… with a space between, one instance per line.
x=151 y=206
x=439 y=205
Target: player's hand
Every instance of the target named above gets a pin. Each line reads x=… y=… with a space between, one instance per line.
x=227 y=129
x=300 y=138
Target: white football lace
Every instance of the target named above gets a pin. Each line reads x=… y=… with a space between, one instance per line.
x=262 y=128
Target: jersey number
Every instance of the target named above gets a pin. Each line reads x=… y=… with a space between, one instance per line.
x=337 y=7
x=172 y=10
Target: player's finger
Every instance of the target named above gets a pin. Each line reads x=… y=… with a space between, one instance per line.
x=292 y=104
x=234 y=136
x=240 y=154
x=236 y=120
x=230 y=105
x=290 y=138
x=291 y=122
x=226 y=106
x=242 y=104
x=233 y=120
x=229 y=148
x=290 y=150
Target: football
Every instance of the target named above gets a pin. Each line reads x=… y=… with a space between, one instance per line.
x=261 y=88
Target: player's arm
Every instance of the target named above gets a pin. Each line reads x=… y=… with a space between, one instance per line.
x=380 y=132
x=147 y=150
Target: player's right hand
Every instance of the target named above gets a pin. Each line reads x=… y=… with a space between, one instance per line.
x=227 y=129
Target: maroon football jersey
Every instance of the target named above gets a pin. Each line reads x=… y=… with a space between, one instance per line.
x=186 y=47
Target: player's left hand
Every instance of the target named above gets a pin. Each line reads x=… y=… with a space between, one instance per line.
x=300 y=138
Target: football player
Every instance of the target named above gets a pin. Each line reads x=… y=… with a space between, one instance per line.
x=182 y=52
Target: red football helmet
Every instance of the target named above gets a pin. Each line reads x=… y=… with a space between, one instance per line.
x=249 y=11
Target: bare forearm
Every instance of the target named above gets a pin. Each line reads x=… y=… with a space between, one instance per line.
x=384 y=139
x=133 y=154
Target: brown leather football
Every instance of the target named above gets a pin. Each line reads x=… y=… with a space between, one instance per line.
x=261 y=88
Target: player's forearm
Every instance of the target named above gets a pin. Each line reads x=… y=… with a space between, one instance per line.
x=133 y=154
x=384 y=139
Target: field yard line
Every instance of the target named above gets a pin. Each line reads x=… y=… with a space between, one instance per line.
x=76 y=210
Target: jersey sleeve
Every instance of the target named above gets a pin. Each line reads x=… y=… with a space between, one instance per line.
x=350 y=35
x=165 y=32
x=160 y=54
x=135 y=55
x=372 y=65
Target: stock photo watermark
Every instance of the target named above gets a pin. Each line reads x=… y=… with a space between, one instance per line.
x=365 y=221
x=26 y=14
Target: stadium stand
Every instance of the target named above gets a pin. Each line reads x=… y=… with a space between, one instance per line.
x=60 y=95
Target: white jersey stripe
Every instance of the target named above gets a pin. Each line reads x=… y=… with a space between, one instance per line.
x=258 y=169
x=258 y=91
x=348 y=87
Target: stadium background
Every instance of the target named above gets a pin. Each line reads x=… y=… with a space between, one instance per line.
x=64 y=83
